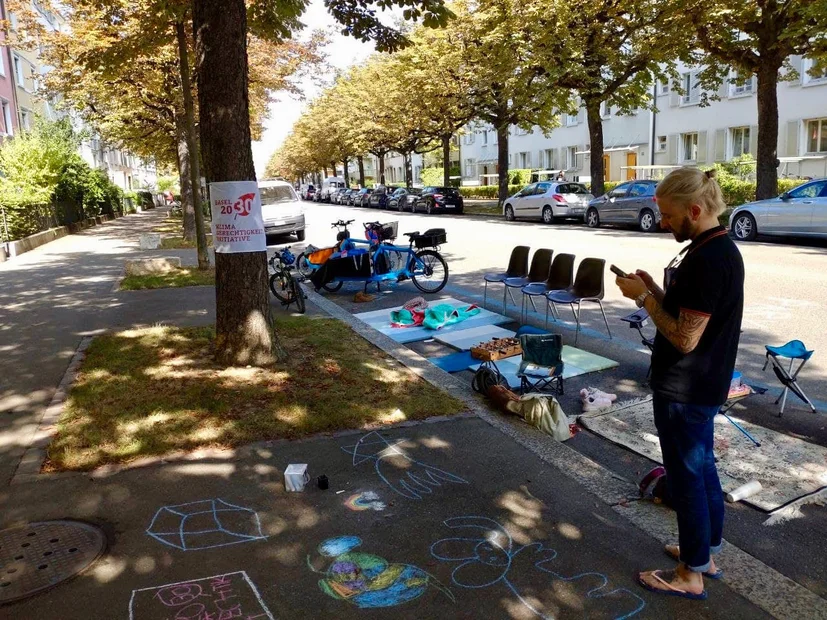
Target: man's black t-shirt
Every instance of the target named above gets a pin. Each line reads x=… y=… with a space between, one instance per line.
x=706 y=278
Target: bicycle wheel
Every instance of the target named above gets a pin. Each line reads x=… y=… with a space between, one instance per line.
x=431 y=274
x=279 y=285
x=303 y=265
x=332 y=287
x=297 y=294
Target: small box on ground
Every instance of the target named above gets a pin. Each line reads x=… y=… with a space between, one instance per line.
x=296 y=477
x=150 y=241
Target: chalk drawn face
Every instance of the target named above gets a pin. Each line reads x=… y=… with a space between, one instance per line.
x=492 y=555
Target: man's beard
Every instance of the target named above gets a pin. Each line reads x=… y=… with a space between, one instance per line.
x=684 y=231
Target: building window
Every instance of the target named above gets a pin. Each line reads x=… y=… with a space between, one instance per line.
x=550 y=163
x=740 y=141
x=690 y=146
x=817 y=135
x=820 y=76
x=663 y=87
x=571 y=157
x=2 y=61
x=691 y=88
x=571 y=119
x=8 y=129
x=525 y=160
x=470 y=168
x=18 y=71
x=739 y=88
x=661 y=144
x=605 y=110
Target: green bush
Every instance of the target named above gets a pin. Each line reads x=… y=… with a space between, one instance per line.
x=435 y=176
x=519 y=176
x=489 y=192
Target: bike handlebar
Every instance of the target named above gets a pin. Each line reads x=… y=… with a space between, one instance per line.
x=341 y=223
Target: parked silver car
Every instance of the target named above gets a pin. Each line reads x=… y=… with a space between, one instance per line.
x=801 y=212
x=548 y=201
x=631 y=203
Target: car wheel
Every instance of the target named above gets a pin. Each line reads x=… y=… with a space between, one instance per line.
x=509 y=213
x=400 y=206
x=300 y=234
x=647 y=221
x=592 y=218
x=548 y=215
x=429 y=207
x=744 y=228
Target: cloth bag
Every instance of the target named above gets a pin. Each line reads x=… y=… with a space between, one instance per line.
x=541 y=411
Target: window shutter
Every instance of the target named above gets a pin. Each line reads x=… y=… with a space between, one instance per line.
x=672 y=143
x=720 y=145
x=579 y=158
x=674 y=97
x=798 y=64
x=792 y=139
x=723 y=89
x=753 y=140
x=703 y=149
x=581 y=115
x=540 y=159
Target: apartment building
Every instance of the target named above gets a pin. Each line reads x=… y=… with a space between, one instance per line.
x=8 y=99
x=123 y=168
x=679 y=132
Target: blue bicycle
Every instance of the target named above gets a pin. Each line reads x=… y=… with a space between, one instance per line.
x=376 y=259
x=283 y=284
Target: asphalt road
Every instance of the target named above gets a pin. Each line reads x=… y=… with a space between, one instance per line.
x=786 y=283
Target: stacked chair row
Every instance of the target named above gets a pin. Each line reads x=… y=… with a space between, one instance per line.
x=551 y=277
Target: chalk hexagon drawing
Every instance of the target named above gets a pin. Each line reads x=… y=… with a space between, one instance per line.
x=419 y=479
x=369 y=581
x=205 y=524
x=486 y=556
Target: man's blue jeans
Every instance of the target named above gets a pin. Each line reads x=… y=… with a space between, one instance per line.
x=685 y=433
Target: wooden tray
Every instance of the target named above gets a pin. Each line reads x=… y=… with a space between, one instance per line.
x=496 y=349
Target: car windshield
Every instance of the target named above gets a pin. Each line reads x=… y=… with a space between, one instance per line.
x=447 y=191
x=278 y=193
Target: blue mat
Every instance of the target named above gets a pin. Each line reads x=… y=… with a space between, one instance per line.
x=455 y=362
x=380 y=321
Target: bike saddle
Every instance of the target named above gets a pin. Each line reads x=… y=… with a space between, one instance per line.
x=413 y=234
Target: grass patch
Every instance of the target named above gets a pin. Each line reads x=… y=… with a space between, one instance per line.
x=152 y=391
x=174 y=279
x=171 y=227
x=179 y=243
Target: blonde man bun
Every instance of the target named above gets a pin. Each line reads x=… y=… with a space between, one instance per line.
x=692 y=186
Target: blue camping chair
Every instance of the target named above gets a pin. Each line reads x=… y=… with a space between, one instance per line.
x=793 y=350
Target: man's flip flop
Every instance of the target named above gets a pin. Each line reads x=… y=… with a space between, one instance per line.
x=716 y=575
x=669 y=589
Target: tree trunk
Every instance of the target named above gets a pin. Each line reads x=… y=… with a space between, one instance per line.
x=382 y=169
x=406 y=162
x=360 y=160
x=333 y=167
x=502 y=162
x=244 y=330
x=346 y=161
x=324 y=172
x=767 y=156
x=192 y=148
x=596 y=142
x=185 y=179
x=446 y=160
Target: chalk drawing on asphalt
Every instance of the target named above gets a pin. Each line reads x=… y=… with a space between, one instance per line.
x=419 y=478
x=205 y=524
x=367 y=500
x=369 y=581
x=487 y=556
x=231 y=595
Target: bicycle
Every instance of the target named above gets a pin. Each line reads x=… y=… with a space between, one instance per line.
x=283 y=284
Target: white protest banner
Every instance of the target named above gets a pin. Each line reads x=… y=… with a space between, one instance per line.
x=237 y=223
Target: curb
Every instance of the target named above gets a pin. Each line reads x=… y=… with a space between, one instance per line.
x=746 y=575
x=35 y=455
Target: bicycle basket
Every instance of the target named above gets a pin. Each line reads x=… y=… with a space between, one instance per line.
x=388 y=231
x=431 y=238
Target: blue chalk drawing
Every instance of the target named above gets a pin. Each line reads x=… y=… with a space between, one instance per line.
x=488 y=553
x=369 y=581
x=205 y=524
x=419 y=479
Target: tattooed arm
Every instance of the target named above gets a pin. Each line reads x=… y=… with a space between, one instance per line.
x=684 y=332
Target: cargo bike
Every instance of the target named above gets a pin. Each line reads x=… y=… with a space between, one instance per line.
x=377 y=259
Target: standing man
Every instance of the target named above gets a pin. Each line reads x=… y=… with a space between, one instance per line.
x=698 y=317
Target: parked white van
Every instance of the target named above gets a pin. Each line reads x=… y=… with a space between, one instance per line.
x=329 y=186
x=281 y=209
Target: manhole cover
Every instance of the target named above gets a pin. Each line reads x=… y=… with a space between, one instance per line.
x=39 y=556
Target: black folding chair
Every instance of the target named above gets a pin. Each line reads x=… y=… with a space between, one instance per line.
x=517 y=268
x=560 y=277
x=540 y=269
x=588 y=286
x=541 y=368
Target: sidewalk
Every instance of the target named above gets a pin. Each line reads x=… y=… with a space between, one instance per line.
x=485 y=528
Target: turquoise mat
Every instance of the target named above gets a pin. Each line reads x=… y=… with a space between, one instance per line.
x=380 y=321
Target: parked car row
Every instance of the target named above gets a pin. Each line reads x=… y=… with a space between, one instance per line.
x=431 y=199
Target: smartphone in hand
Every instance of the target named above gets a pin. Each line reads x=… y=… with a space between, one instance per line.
x=618 y=272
